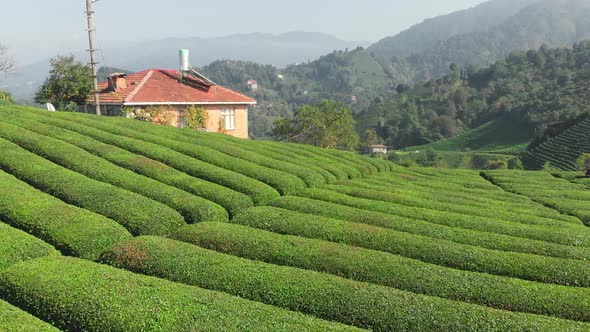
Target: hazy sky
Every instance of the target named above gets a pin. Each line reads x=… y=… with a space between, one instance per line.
x=49 y=24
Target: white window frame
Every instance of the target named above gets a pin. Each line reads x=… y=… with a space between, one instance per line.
x=229 y=118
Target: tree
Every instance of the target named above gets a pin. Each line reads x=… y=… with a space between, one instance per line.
x=370 y=138
x=584 y=162
x=326 y=124
x=69 y=83
x=6 y=61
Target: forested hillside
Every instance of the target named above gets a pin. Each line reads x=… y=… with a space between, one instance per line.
x=545 y=91
x=469 y=40
x=429 y=33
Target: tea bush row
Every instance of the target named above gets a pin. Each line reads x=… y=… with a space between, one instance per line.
x=140 y=215
x=71 y=230
x=426 y=249
x=193 y=208
x=79 y=295
x=231 y=200
x=329 y=297
x=568 y=234
x=389 y=270
x=259 y=192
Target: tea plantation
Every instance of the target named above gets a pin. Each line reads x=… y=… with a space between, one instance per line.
x=561 y=151
x=110 y=224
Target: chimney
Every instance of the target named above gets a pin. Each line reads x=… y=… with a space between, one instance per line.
x=117 y=81
x=184 y=62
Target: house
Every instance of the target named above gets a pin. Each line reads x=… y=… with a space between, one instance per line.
x=379 y=149
x=252 y=85
x=163 y=96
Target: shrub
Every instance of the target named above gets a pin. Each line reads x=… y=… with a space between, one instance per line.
x=458 y=235
x=232 y=200
x=17 y=246
x=566 y=233
x=351 y=169
x=458 y=206
x=220 y=146
x=258 y=191
x=14 y=319
x=283 y=182
x=330 y=173
x=140 y=215
x=193 y=208
x=427 y=249
x=542 y=187
x=584 y=162
x=73 y=231
x=79 y=295
x=388 y=270
x=296 y=156
x=457 y=197
x=365 y=305
x=5 y=97
x=362 y=168
x=195 y=117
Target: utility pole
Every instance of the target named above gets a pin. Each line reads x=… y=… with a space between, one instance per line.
x=92 y=50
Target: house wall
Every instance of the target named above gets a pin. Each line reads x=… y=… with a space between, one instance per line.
x=173 y=117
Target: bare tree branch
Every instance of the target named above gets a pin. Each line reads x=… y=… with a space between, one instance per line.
x=6 y=61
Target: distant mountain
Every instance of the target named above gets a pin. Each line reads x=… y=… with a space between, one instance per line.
x=553 y=23
x=278 y=50
x=429 y=33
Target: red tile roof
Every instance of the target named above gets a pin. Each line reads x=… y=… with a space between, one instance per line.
x=159 y=86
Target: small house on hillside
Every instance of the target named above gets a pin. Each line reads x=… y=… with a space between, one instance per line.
x=164 y=96
x=379 y=149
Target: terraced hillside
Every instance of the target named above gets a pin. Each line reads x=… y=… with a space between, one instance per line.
x=561 y=151
x=504 y=135
x=109 y=224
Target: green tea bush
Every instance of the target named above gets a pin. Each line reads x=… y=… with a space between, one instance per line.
x=329 y=172
x=568 y=234
x=193 y=208
x=488 y=194
x=560 y=194
x=13 y=319
x=458 y=235
x=426 y=249
x=329 y=297
x=202 y=140
x=140 y=215
x=454 y=197
x=259 y=192
x=72 y=230
x=361 y=167
x=78 y=295
x=351 y=169
x=231 y=200
x=283 y=182
x=389 y=270
x=407 y=198
x=17 y=246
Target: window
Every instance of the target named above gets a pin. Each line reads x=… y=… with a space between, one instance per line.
x=229 y=118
